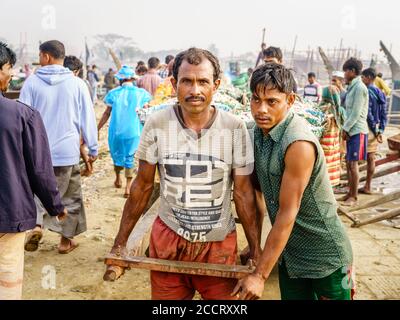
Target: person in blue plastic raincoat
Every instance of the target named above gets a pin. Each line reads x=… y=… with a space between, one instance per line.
x=125 y=127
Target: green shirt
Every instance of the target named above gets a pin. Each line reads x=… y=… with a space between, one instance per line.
x=356 y=108
x=318 y=244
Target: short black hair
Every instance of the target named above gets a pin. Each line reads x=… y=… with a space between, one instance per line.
x=153 y=62
x=353 y=64
x=311 y=75
x=273 y=52
x=380 y=75
x=140 y=63
x=169 y=58
x=73 y=63
x=54 y=48
x=141 y=68
x=273 y=76
x=195 y=56
x=369 y=73
x=6 y=55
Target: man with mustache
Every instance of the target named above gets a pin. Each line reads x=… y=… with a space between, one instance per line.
x=199 y=151
x=307 y=238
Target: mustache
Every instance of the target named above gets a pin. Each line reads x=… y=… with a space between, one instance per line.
x=194 y=99
x=257 y=117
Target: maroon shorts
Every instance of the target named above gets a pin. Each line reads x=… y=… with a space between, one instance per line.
x=166 y=244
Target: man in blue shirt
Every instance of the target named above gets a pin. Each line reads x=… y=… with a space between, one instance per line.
x=125 y=127
x=377 y=120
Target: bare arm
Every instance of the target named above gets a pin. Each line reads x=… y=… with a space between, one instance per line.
x=141 y=190
x=299 y=162
x=244 y=198
x=104 y=118
x=260 y=203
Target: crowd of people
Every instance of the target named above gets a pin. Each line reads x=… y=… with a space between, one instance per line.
x=202 y=155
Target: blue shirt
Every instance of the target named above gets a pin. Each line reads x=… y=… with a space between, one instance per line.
x=377 y=113
x=356 y=108
x=125 y=127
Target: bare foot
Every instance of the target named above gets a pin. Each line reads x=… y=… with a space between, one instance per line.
x=350 y=202
x=118 y=184
x=365 y=191
x=344 y=198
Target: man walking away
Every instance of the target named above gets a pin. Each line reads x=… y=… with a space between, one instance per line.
x=125 y=127
x=25 y=170
x=67 y=111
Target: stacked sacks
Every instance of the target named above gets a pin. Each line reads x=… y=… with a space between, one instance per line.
x=314 y=116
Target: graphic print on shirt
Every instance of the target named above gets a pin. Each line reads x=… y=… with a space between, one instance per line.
x=195 y=186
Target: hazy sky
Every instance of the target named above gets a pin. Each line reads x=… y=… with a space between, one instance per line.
x=234 y=25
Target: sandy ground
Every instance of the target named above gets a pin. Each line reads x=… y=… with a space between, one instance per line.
x=78 y=275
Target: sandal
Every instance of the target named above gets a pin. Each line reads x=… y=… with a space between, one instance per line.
x=32 y=240
x=71 y=247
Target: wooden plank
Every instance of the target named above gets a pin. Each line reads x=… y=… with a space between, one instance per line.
x=375 y=202
x=382 y=172
x=390 y=214
x=348 y=214
x=192 y=268
x=389 y=158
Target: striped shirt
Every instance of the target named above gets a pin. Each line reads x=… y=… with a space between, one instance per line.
x=150 y=81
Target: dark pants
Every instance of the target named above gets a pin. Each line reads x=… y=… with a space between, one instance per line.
x=69 y=184
x=336 y=286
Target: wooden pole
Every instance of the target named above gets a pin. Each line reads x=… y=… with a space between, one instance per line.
x=363 y=167
x=348 y=214
x=372 y=203
x=294 y=50
x=383 y=172
x=390 y=214
x=193 y=268
x=263 y=36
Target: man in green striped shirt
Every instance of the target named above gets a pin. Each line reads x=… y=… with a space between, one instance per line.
x=307 y=238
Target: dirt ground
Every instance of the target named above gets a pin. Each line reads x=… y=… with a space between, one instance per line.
x=78 y=275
